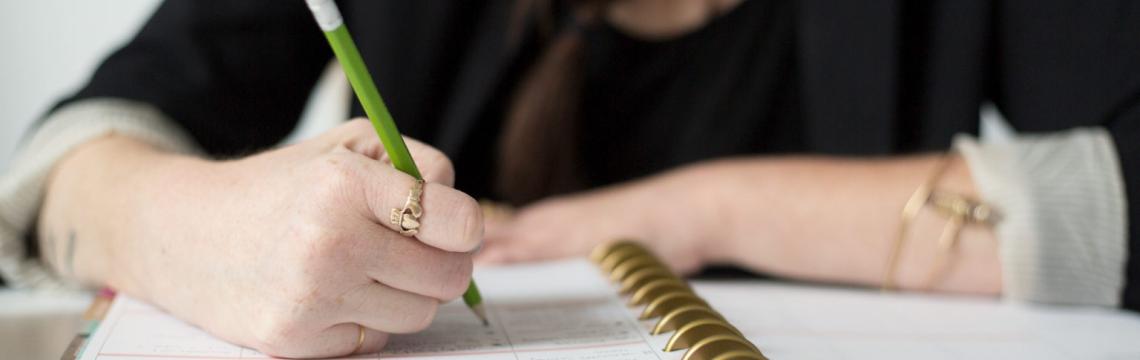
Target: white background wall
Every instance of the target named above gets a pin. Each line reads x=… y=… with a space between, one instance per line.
x=47 y=50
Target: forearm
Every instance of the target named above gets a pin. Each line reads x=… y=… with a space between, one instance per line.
x=836 y=220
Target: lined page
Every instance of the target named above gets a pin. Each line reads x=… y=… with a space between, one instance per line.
x=555 y=310
x=558 y=310
x=568 y=311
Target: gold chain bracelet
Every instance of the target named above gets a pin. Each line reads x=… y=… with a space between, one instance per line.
x=960 y=210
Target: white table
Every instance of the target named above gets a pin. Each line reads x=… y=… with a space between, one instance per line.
x=39 y=325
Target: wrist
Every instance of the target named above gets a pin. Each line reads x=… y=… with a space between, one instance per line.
x=715 y=199
x=700 y=209
x=94 y=198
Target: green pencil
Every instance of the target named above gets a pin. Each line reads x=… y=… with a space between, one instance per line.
x=329 y=18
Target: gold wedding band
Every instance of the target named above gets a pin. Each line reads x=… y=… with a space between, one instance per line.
x=359 y=340
x=408 y=218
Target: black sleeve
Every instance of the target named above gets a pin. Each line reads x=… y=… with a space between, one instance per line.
x=1061 y=64
x=1126 y=134
x=234 y=74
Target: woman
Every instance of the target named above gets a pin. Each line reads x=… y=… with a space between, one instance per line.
x=780 y=136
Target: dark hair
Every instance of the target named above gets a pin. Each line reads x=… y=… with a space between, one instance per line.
x=538 y=150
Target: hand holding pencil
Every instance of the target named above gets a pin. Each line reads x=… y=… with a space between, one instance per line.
x=407 y=218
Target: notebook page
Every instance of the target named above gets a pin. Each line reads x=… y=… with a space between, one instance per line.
x=559 y=310
x=555 y=310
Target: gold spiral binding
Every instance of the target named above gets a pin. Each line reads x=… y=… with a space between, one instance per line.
x=683 y=315
x=739 y=355
x=670 y=301
x=694 y=331
x=620 y=256
x=637 y=279
x=714 y=345
x=632 y=264
x=656 y=289
x=601 y=251
x=648 y=281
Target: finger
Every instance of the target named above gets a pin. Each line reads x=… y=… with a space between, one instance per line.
x=359 y=136
x=490 y=255
x=348 y=339
x=380 y=307
x=351 y=341
x=525 y=240
x=407 y=264
x=373 y=341
x=450 y=221
x=495 y=227
x=496 y=241
x=338 y=340
x=507 y=253
x=504 y=248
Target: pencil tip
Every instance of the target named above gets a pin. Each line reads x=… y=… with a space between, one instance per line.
x=481 y=313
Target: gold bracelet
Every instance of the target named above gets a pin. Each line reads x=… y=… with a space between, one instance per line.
x=909 y=212
x=960 y=210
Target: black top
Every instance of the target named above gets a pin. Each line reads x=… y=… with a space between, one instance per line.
x=655 y=105
x=726 y=89
x=825 y=77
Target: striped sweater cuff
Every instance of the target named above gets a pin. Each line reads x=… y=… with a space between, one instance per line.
x=1063 y=237
x=22 y=187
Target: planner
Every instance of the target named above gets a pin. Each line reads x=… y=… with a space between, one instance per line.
x=572 y=310
x=621 y=303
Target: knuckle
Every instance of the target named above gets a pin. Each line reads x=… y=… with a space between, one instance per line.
x=322 y=252
x=334 y=184
x=327 y=247
x=337 y=134
x=330 y=178
x=336 y=171
x=439 y=167
x=358 y=124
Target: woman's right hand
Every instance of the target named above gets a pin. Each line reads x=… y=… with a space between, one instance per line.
x=284 y=251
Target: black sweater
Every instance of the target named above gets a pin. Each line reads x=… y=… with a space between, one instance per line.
x=808 y=76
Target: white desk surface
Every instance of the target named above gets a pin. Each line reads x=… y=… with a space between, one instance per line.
x=786 y=321
x=38 y=325
x=814 y=322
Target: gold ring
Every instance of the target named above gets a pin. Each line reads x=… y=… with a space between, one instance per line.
x=359 y=340
x=408 y=218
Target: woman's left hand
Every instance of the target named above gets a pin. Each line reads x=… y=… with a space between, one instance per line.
x=669 y=213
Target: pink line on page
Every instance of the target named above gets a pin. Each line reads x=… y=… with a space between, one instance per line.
x=394 y=356
x=461 y=353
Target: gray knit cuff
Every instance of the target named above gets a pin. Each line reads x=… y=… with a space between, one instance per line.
x=22 y=187
x=1063 y=231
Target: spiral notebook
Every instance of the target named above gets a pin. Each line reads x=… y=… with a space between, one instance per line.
x=622 y=303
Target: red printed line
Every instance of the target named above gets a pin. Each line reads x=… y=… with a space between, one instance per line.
x=392 y=356
x=170 y=356
x=463 y=353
